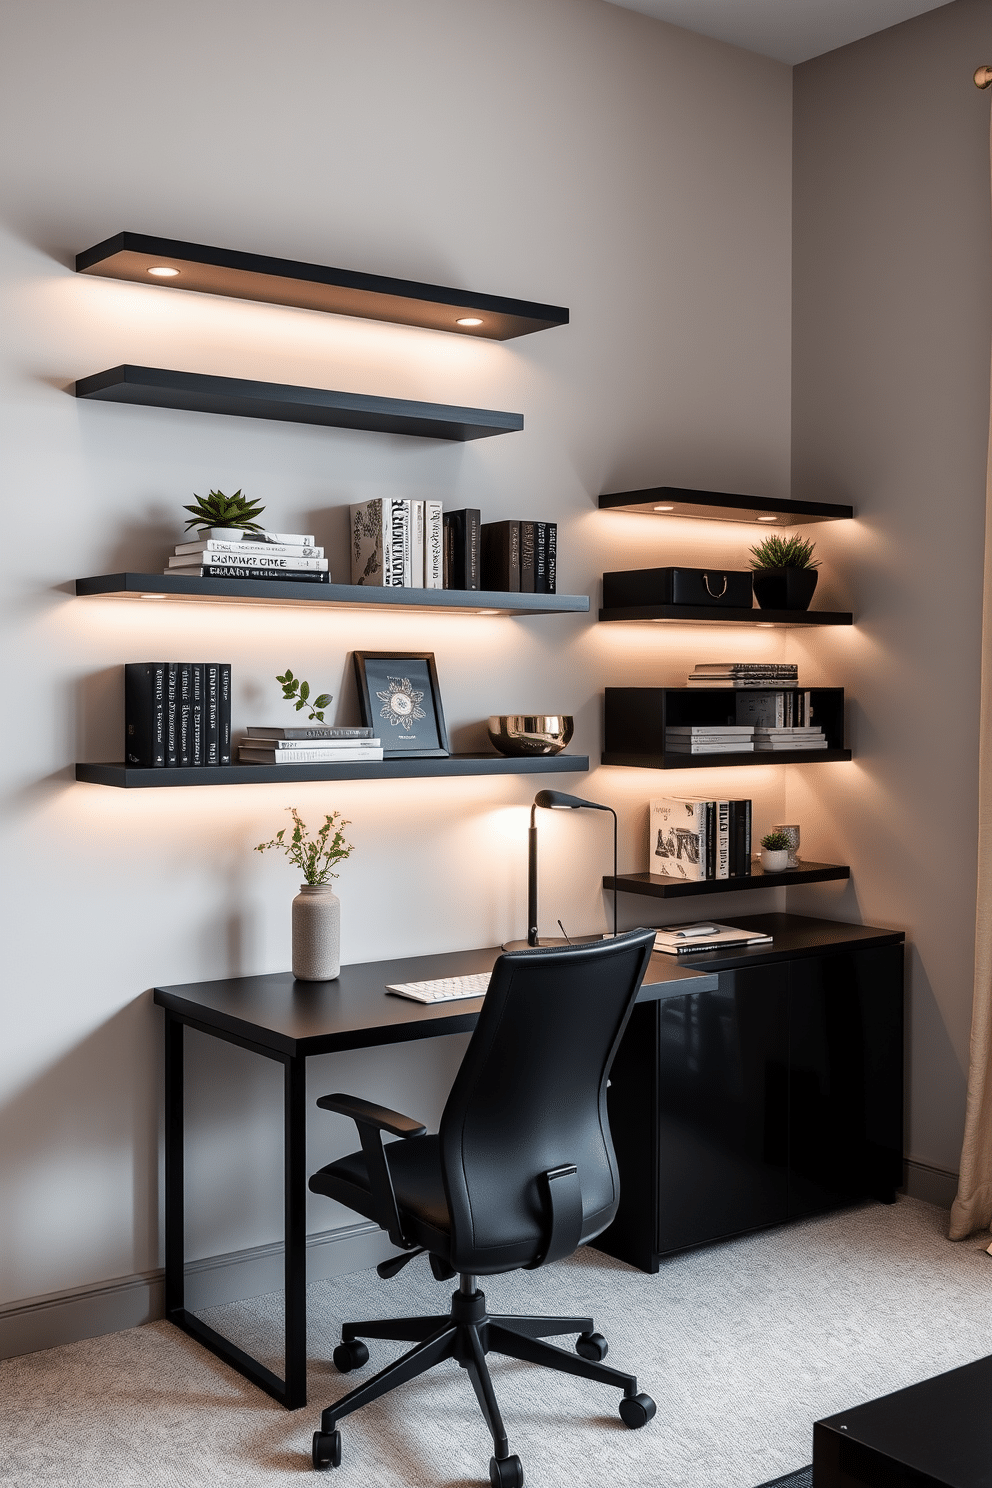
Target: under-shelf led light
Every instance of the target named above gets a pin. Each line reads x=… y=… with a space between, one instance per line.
x=664 y=508
x=162 y=271
x=768 y=519
x=151 y=596
x=469 y=320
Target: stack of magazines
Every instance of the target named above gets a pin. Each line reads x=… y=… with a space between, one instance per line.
x=266 y=745
x=705 y=935
x=230 y=553
x=744 y=674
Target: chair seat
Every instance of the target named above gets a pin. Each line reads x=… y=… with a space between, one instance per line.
x=415 y=1168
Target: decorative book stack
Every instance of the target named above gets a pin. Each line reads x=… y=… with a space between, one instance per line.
x=268 y=745
x=177 y=713
x=231 y=553
x=397 y=544
x=697 y=840
x=709 y=738
x=520 y=557
x=744 y=674
x=789 y=738
x=416 y=545
x=705 y=935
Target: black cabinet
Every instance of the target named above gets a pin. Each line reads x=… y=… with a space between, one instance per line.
x=777 y=1096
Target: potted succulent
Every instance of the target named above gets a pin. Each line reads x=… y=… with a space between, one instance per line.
x=784 y=573
x=225 y=512
x=774 y=852
x=316 y=908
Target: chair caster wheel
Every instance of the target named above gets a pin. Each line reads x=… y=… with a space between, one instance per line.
x=592 y=1346
x=326 y=1450
x=506 y=1472
x=636 y=1410
x=350 y=1353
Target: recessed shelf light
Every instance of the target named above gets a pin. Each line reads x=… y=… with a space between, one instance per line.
x=664 y=508
x=162 y=271
x=151 y=596
x=768 y=519
x=469 y=320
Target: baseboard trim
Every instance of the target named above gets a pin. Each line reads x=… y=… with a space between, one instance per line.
x=933 y=1185
x=127 y=1301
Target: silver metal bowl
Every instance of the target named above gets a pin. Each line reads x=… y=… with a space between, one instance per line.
x=535 y=733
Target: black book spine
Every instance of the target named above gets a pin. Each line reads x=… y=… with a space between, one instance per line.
x=473 y=552
x=224 y=714
x=500 y=545
x=144 y=714
x=196 y=714
x=711 y=839
x=172 y=713
x=454 y=550
x=540 y=557
x=527 y=544
x=266 y=575
x=185 y=713
x=211 y=708
x=552 y=558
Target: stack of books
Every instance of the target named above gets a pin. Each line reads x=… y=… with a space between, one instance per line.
x=789 y=738
x=230 y=553
x=744 y=674
x=696 y=840
x=709 y=738
x=416 y=545
x=268 y=745
x=177 y=713
x=705 y=935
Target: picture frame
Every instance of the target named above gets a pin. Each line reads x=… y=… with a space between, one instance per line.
x=399 y=697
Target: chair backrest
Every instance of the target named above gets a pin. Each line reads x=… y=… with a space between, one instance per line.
x=530 y=1097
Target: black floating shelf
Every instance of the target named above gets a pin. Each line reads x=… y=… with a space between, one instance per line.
x=721 y=506
x=283 y=281
x=653 y=886
x=715 y=615
x=721 y=761
x=128 y=778
x=157 y=387
x=346 y=596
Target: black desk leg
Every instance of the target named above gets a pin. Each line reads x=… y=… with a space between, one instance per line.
x=174 y=1185
x=295 y=1178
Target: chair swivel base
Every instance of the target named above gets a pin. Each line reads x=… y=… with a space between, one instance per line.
x=467 y=1334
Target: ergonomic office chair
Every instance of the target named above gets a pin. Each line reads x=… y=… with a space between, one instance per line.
x=521 y=1173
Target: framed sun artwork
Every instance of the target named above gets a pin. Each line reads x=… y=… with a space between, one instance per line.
x=400 y=699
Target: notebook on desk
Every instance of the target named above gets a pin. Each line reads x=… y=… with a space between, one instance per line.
x=705 y=935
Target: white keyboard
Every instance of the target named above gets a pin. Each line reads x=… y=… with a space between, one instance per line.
x=445 y=989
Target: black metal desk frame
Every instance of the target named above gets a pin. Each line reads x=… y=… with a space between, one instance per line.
x=287 y=1021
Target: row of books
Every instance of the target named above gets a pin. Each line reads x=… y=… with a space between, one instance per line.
x=230 y=553
x=696 y=840
x=740 y=739
x=738 y=674
x=177 y=713
x=267 y=745
x=418 y=545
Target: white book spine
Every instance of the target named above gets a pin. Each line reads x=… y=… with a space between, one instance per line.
x=433 y=545
x=417 y=544
x=310 y=756
x=677 y=838
x=723 y=839
x=249 y=560
x=371 y=543
x=399 y=569
x=214 y=545
x=291 y=745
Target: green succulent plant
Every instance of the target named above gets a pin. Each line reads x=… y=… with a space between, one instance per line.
x=218 y=510
x=775 y=842
x=295 y=690
x=784 y=552
x=313 y=858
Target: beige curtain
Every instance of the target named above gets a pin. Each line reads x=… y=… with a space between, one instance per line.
x=972 y=1209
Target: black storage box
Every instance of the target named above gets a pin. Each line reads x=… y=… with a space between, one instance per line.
x=682 y=586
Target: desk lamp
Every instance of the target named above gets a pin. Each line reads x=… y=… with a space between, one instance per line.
x=555 y=801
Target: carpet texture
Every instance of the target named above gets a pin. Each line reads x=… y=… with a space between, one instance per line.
x=743 y=1345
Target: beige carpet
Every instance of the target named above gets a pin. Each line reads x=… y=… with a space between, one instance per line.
x=743 y=1346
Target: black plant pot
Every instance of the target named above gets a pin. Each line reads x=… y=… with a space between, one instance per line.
x=784 y=588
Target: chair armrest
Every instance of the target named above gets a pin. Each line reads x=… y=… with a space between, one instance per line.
x=365 y=1113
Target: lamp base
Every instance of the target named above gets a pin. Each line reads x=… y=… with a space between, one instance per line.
x=552 y=940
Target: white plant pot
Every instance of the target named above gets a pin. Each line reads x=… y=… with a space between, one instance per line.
x=775 y=862
x=316 y=934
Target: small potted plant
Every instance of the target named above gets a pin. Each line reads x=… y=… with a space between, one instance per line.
x=784 y=573
x=774 y=852
x=316 y=908
x=225 y=513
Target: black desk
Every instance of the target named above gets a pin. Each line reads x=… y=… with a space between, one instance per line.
x=282 y=1019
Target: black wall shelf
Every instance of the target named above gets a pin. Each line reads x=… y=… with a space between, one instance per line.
x=346 y=596
x=157 y=387
x=721 y=506
x=283 y=281
x=653 y=886
x=128 y=778
x=722 y=761
x=637 y=718
x=716 y=615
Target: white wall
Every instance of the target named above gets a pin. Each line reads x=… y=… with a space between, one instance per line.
x=561 y=150
x=892 y=322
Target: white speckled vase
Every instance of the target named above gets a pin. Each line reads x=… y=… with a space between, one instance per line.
x=316 y=933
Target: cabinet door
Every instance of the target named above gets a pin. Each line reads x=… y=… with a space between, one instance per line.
x=722 y=1108
x=845 y=1086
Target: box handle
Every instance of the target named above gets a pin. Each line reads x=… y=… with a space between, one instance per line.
x=719 y=593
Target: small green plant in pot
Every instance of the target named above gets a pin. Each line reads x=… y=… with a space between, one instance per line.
x=228 y=512
x=316 y=908
x=784 y=573
x=775 y=852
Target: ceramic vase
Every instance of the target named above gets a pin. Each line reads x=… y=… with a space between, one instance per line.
x=774 y=861
x=316 y=933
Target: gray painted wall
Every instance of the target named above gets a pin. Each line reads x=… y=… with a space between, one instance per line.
x=891 y=328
